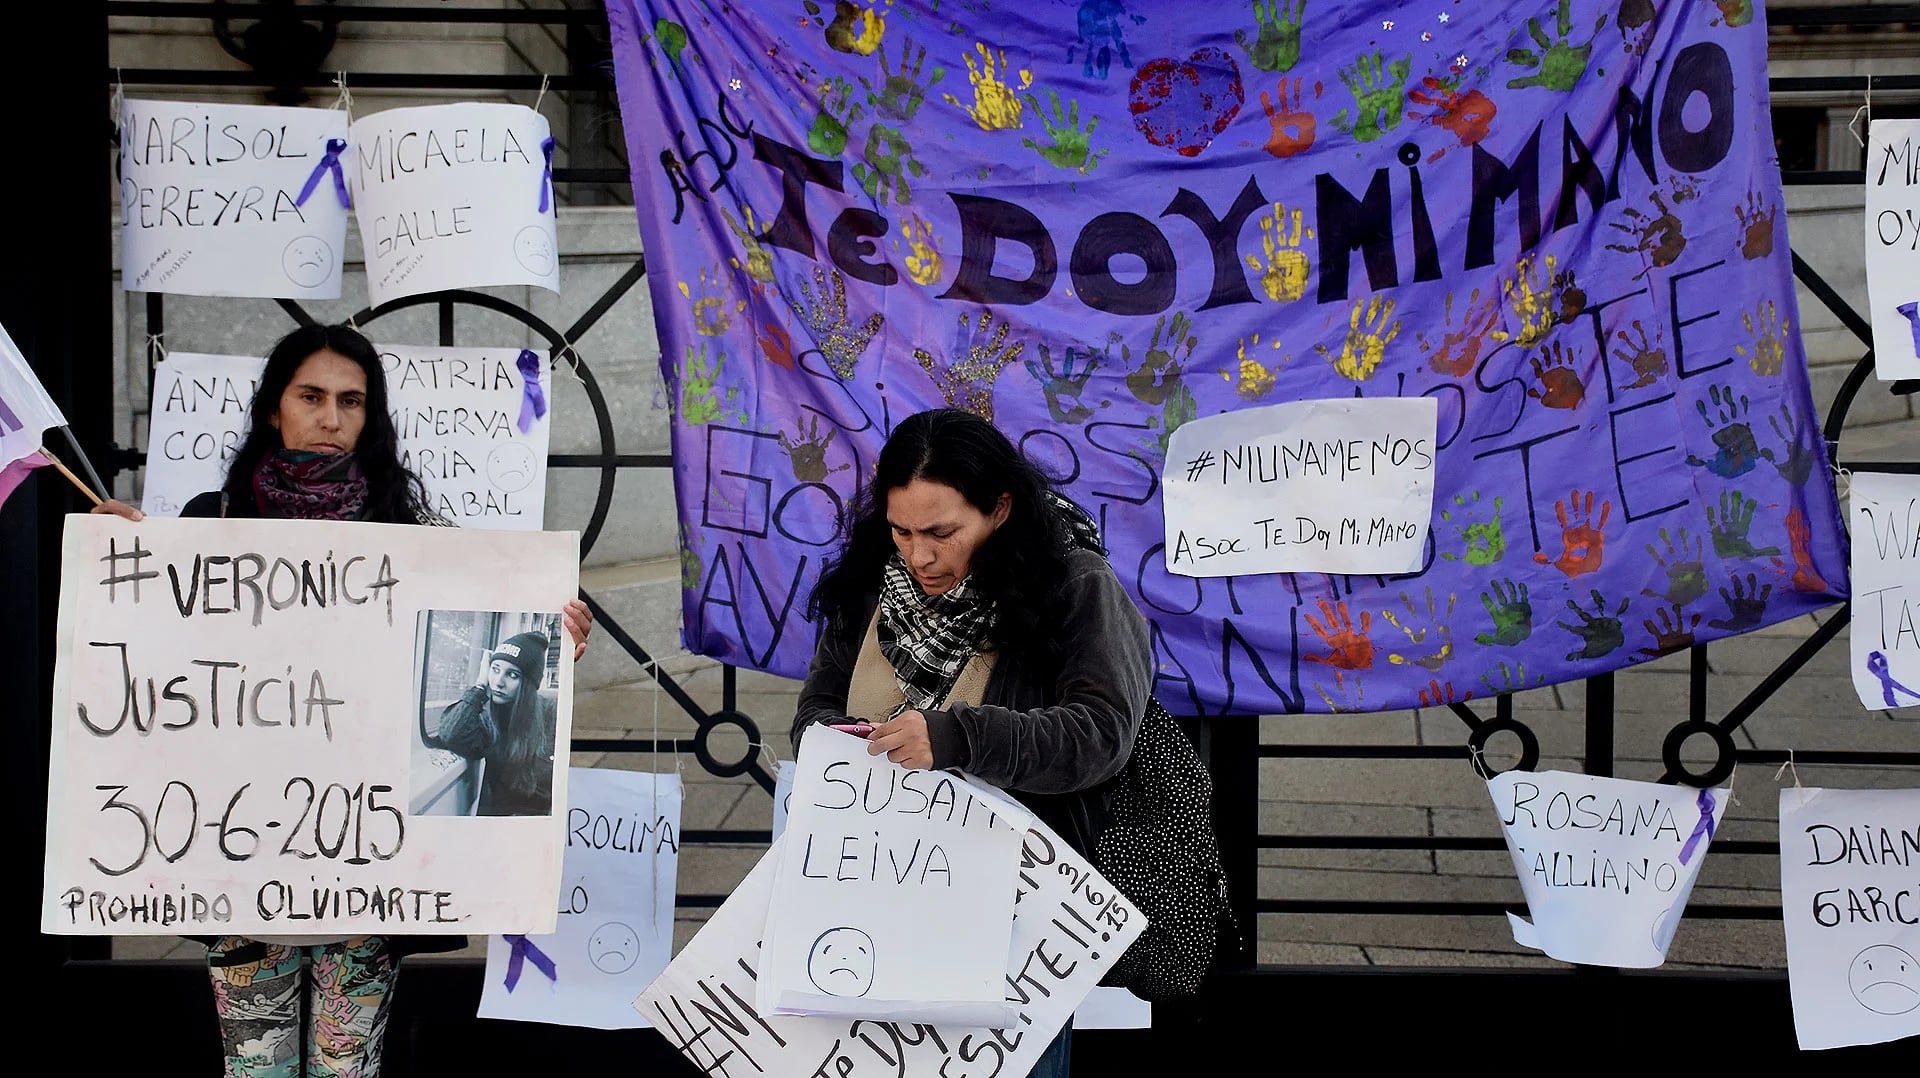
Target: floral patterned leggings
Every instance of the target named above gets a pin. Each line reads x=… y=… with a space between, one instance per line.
x=258 y=994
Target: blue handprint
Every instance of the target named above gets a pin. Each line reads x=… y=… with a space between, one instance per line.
x=1065 y=388
x=1738 y=452
x=1100 y=27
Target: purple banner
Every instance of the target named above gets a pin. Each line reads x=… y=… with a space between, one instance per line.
x=1094 y=222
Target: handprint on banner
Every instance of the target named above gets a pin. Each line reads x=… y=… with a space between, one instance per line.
x=1512 y=612
x=1560 y=63
x=1634 y=21
x=1738 y=452
x=1745 y=606
x=1731 y=527
x=1434 y=639
x=901 y=93
x=1734 y=12
x=841 y=344
x=1348 y=696
x=712 y=313
x=1513 y=679
x=996 y=105
x=1569 y=297
x=1159 y=375
x=1657 y=239
x=759 y=264
x=1486 y=541
x=672 y=39
x=807 y=451
x=1647 y=358
x=1583 y=541
x=1378 y=103
x=828 y=135
x=1459 y=349
x=691 y=568
x=1600 y=633
x=1536 y=309
x=1798 y=435
x=967 y=379
x=1768 y=356
x=1065 y=387
x=769 y=331
x=1686 y=575
x=701 y=400
x=1560 y=385
x=922 y=256
x=1071 y=145
x=1100 y=37
x=1179 y=410
x=1468 y=117
x=1800 y=538
x=855 y=29
x=1276 y=44
x=1293 y=127
x=1434 y=696
x=1365 y=345
x=1286 y=270
x=1674 y=633
x=886 y=162
x=1756 y=223
x=1347 y=650
x=1255 y=379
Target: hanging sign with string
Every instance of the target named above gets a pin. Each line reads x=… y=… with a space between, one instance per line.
x=1885 y=638
x=1893 y=246
x=232 y=200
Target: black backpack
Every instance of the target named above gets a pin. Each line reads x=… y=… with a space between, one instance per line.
x=1160 y=850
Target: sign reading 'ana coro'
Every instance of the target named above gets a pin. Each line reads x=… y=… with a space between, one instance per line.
x=1553 y=219
x=232 y=200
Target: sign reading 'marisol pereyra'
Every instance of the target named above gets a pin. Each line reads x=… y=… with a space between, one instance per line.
x=1329 y=486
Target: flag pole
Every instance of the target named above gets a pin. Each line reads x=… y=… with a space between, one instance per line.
x=84 y=463
x=72 y=478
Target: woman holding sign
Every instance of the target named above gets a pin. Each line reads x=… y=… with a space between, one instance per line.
x=320 y=446
x=960 y=553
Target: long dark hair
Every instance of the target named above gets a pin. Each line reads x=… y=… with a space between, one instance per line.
x=522 y=738
x=394 y=495
x=1022 y=565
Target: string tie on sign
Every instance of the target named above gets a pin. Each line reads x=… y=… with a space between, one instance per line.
x=533 y=399
x=1703 y=829
x=330 y=162
x=1789 y=766
x=1866 y=111
x=525 y=951
x=546 y=175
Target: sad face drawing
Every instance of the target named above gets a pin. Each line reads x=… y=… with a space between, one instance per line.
x=307 y=261
x=841 y=962
x=613 y=948
x=533 y=249
x=1885 y=979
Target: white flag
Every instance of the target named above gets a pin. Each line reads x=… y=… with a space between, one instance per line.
x=25 y=409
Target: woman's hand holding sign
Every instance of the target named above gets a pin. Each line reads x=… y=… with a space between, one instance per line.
x=903 y=739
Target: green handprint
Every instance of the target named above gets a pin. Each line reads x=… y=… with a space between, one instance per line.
x=698 y=401
x=1378 y=104
x=1599 y=631
x=901 y=92
x=1180 y=410
x=1069 y=149
x=1735 y=12
x=1277 y=48
x=888 y=156
x=828 y=135
x=672 y=38
x=1686 y=577
x=1159 y=376
x=1512 y=613
x=1561 y=63
x=1512 y=679
x=1486 y=540
x=1731 y=527
x=1065 y=387
x=690 y=567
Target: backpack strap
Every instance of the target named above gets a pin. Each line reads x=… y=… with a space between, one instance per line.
x=873 y=694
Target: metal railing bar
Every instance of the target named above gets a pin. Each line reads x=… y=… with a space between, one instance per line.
x=1901 y=467
x=614 y=460
x=599 y=308
x=167 y=9
x=363 y=80
x=1833 y=301
x=1363 y=752
x=606 y=624
x=1781 y=674
x=633 y=744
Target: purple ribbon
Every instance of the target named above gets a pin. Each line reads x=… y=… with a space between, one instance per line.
x=328 y=163
x=1877 y=666
x=1702 y=829
x=524 y=951
x=1912 y=311
x=546 y=177
x=533 y=399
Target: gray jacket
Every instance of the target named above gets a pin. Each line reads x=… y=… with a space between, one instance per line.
x=1050 y=735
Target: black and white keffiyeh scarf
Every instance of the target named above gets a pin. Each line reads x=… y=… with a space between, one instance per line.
x=929 y=639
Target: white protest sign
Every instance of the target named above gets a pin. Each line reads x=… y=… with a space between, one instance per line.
x=1885 y=639
x=240 y=716
x=1113 y=1008
x=1069 y=927
x=1893 y=246
x=457 y=412
x=232 y=200
x=782 y=796
x=1851 y=900
x=616 y=909
x=25 y=409
x=866 y=836
x=1325 y=486
x=1606 y=864
x=454 y=196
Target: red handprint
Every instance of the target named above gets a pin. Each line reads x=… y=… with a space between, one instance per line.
x=1582 y=541
x=1349 y=650
x=1800 y=538
x=775 y=342
x=1293 y=130
x=1468 y=116
x=1459 y=349
x=1432 y=695
x=1560 y=385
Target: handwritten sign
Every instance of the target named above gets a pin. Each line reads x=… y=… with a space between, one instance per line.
x=616 y=905
x=866 y=838
x=1893 y=246
x=1851 y=896
x=1884 y=644
x=1335 y=486
x=458 y=413
x=1606 y=864
x=234 y=703
x=782 y=795
x=1069 y=926
x=454 y=196
x=232 y=200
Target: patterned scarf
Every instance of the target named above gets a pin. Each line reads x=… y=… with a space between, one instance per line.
x=296 y=485
x=929 y=639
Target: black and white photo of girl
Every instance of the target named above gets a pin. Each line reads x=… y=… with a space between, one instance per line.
x=489 y=681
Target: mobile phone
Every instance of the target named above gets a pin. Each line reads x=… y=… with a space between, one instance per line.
x=861 y=728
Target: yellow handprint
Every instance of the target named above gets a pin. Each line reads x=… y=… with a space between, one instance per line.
x=1768 y=356
x=759 y=260
x=1535 y=307
x=923 y=258
x=1366 y=345
x=1256 y=379
x=1285 y=272
x=710 y=314
x=996 y=106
